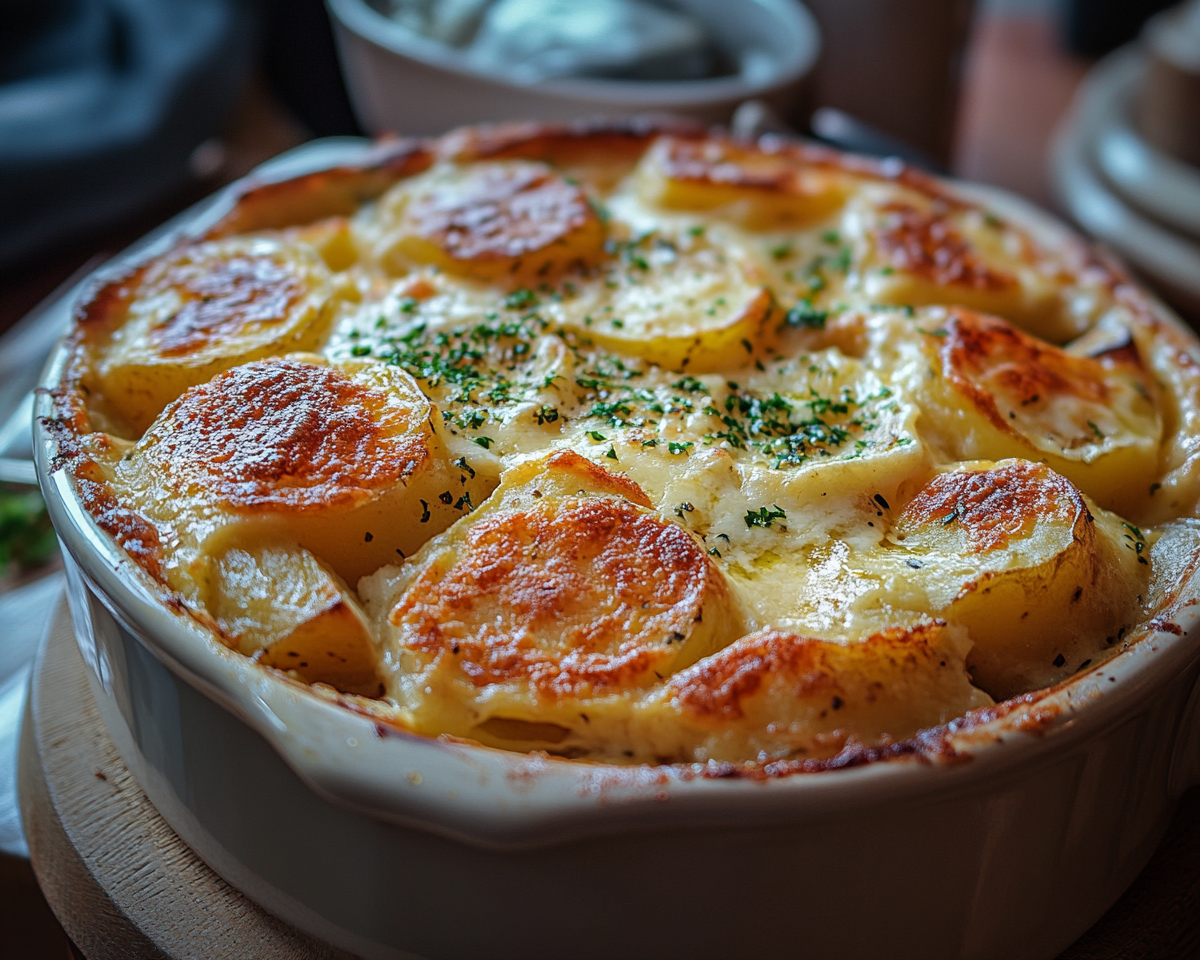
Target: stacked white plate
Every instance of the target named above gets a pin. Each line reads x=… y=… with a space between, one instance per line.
x=1141 y=201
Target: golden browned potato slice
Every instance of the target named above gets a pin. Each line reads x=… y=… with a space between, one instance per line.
x=284 y=608
x=537 y=620
x=926 y=252
x=201 y=309
x=510 y=222
x=1039 y=577
x=997 y=392
x=775 y=695
x=686 y=301
x=755 y=189
x=346 y=460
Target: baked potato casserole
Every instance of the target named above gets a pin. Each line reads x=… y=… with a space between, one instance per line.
x=639 y=444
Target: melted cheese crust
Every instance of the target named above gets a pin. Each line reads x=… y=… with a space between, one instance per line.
x=641 y=446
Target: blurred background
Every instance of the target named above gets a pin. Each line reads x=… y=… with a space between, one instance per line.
x=117 y=114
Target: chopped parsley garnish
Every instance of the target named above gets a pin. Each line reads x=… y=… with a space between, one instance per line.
x=691 y=385
x=804 y=314
x=471 y=419
x=1137 y=542
x=764 y=517
x=521 y=299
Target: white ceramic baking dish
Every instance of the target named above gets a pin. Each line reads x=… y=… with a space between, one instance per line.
x=1005 y=837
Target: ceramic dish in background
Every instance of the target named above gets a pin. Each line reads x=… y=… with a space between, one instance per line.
x=1165 y=188
x=1095 y=141
x=1154 y=181
x=398 y=846
x=400 y=81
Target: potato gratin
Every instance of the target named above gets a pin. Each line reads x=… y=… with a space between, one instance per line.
x=641 y=445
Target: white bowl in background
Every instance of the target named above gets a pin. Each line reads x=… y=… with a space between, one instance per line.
x=402 y=82
x=1166 y=188
x=1126 y=217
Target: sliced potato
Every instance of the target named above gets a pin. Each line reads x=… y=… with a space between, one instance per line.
x=513 y=222
x=1039 y=577
x=535 y=620
x=776 y=695
x=917 y=251
x=332 y=239
x=284 y=608
x=753 y=188
x=996 y=392
x=688 y=302
x=201 y=309
x=347 y=460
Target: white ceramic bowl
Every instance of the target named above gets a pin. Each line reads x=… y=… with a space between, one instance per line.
x=1154 y=196
x=393 y=845
x=402 y=82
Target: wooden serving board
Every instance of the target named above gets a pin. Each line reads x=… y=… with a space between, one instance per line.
x=122 y=884
x=125 y=887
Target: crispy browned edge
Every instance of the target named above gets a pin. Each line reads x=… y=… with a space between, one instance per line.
x=259 y=204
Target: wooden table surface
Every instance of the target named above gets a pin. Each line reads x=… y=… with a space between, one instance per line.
x=1016 y=87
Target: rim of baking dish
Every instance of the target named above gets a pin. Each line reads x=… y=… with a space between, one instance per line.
x=504 y=799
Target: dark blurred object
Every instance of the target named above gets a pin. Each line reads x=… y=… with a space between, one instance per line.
x=1017 y=84
x=1169 y=102
x=895 y=65
x=301 y=66
x=1092 y=28
x=108 y=105
x=29 y=928
x=845 y=132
